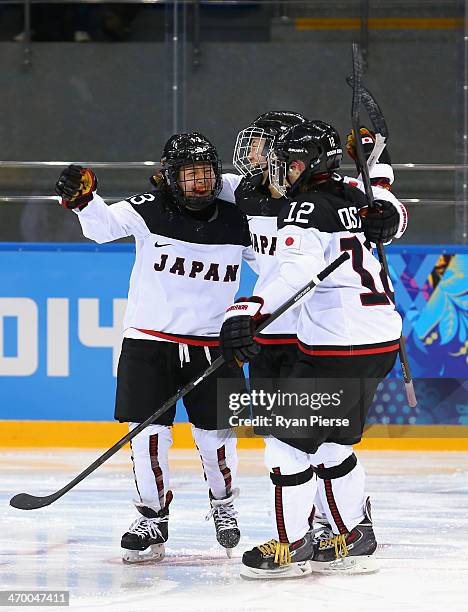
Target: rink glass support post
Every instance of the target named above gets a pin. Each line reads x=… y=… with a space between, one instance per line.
x=364 y=32
x=27 y=51
x=460 y=233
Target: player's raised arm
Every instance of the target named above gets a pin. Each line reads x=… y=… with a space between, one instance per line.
x=389 y=207
x=77 y=187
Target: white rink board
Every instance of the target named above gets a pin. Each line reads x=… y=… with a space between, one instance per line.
x=420 y=508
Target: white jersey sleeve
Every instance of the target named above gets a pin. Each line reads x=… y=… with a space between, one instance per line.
x=249 y=256
x=103 y=223
x=230 y=184
x=383 y=194
x=383 y=171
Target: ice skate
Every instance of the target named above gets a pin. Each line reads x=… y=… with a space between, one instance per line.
x=274 y=560
x=348 y=553
x=144 y=541
x=224 y=516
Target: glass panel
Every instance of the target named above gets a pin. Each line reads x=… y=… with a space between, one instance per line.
x=213 y=66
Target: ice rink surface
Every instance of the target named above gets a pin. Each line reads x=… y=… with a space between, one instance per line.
x=420 y=508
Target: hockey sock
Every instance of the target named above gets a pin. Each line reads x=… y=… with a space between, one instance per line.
x=218 y=455
x=294 y=485
x=150 y=464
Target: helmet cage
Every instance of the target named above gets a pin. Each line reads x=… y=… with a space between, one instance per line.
x=277 y=170
x=252 y=145
x=278 y=166
x=212 y=170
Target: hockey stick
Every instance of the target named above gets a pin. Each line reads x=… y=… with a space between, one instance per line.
x=25 y=501
x=373 y=109
x=378 y=124
x=357 y=92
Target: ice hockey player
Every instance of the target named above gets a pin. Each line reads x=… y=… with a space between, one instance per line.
x=189 y=250
x=261 y=202
x=347 y=328
x=256 y=196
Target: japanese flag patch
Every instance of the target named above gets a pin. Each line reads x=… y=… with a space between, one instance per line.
x=292 y=241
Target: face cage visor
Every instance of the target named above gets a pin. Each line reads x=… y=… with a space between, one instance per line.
x=277 y=171
x=196 y=184
x=253 y=146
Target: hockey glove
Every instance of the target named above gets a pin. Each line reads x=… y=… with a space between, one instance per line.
x=381 y=222
x=236 y=338
x=76 y=187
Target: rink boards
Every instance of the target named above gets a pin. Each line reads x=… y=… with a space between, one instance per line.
x=61 y=309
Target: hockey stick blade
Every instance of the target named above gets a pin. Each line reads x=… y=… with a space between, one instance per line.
x=376 y=152
x=373 y=110
x=25 y=501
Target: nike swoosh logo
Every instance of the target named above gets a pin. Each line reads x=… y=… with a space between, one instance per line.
x=158 y=246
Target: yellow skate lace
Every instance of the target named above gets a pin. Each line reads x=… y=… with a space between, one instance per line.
x=279 y=549
x=339 y=542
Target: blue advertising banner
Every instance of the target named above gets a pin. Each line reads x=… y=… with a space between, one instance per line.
x=61 y=309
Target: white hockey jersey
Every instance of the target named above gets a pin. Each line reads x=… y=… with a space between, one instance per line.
x=351 y=311
x=262 y=212
x=186 y=271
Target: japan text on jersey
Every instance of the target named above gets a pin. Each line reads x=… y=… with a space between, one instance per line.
x=186 y=270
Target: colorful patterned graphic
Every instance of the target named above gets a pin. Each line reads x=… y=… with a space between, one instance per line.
x=432 y=297
x=441 y=401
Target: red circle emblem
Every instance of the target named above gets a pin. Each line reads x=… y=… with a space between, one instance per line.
x=289 y=241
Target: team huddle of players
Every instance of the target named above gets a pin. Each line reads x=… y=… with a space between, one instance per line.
x=289 y=215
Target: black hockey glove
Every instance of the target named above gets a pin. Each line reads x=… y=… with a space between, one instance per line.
x=236 y=338
x=381 y=222
x=76 y=187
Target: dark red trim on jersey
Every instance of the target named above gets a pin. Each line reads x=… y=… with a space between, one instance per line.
x=276 y=339
x=350 y=351
x=157 y=471
x=332 y=505
x=279 y=514
x=223 y=468
x=192 y=340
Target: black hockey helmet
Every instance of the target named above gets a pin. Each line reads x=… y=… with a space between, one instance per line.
x=315 y=143
x=201 y=165
x=255 y=142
